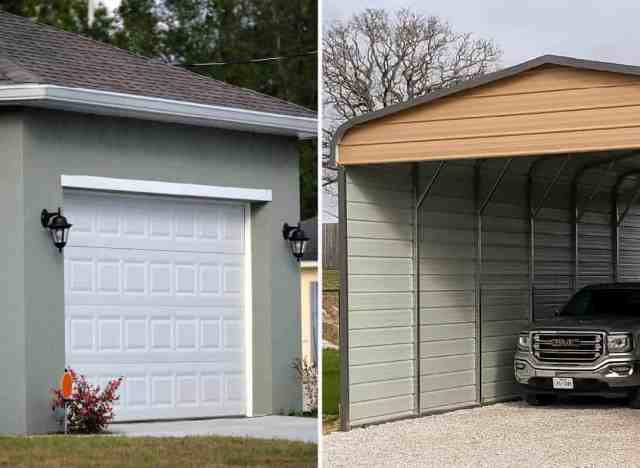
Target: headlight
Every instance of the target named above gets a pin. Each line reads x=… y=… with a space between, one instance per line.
x=523 y=341
x=619 y=343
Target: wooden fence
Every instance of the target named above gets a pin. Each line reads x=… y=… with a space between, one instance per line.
x=330 y=247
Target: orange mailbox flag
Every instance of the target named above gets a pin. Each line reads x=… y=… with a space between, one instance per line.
x=66 y=384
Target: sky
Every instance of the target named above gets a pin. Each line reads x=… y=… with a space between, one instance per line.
x=111 y=4
x=591 y=29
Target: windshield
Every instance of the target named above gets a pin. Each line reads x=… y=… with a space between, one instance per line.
x=603 y=303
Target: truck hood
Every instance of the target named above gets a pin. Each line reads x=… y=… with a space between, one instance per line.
x=609 y=325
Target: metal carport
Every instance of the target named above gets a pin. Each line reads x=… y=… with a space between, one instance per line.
x=469 y=211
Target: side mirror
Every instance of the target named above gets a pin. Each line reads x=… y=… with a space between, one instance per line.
x=556 y=312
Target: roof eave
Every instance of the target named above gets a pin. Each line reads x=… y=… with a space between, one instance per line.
x=151 y=108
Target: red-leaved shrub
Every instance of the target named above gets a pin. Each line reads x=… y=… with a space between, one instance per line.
x=90 y=409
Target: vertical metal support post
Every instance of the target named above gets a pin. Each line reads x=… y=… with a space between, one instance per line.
x=532 y=237
x=481 y=204
x=478 y=275
x=615 y=233
x=344 y=306
x=416 y=285
x=618 y=219
x=418 y=199
x=575 y=214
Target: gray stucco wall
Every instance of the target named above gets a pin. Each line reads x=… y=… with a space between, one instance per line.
x=55 y=143
x=12 y=278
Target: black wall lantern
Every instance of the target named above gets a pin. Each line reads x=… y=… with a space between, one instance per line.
x=58 y=227
x=297 y=239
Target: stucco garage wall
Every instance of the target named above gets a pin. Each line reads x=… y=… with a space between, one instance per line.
x=58 y=143
x=12 y=280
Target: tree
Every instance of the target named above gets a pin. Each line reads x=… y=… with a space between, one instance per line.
x=377 y=59
x=70 y=15
x=138 y=28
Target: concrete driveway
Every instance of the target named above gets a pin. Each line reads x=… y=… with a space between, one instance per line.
x=574 y=433
x=264 y=427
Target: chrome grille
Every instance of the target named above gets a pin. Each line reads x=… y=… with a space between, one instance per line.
x=567 y=347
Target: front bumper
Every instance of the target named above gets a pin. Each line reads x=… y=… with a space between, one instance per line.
x=600 y=379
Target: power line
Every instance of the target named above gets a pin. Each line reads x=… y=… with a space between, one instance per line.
x=259 y=60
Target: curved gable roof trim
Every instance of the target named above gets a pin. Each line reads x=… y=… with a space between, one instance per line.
x=477 y=82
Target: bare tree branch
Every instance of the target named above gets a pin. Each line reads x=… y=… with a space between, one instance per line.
x=377 y=59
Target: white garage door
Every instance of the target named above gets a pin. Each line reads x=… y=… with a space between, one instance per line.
x=154 y=292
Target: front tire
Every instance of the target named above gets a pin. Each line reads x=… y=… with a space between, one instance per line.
x=536 y=399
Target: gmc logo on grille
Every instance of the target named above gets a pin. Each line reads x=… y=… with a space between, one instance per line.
x=565 y=342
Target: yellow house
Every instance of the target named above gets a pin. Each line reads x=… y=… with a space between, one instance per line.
x=309 y=292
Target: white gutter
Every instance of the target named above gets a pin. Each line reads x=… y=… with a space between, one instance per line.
x=151 y=108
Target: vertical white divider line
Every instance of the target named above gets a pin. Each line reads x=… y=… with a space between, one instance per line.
x=320 y=232
x=248 y=312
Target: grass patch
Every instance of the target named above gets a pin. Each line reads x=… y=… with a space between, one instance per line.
x=331 y=280
x=129 y=452
x=330 y=381
x=330 y=423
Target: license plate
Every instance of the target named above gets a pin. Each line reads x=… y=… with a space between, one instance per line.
x=563 y=383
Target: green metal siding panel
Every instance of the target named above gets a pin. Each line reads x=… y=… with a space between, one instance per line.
x=380 y=286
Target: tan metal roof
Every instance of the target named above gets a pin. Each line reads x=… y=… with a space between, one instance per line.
x=548 y=105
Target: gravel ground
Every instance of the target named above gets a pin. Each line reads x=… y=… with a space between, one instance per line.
x=582 y=434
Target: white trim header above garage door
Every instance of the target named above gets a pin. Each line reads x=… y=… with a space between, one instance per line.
x=110 y=184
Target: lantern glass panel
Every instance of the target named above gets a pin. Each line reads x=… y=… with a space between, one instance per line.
x=298 y=247
x=58 y=235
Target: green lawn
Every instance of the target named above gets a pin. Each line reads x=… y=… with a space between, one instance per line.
x=330 y=381
x=105 y=451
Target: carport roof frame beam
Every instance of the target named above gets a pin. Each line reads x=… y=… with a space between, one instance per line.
x=547 y=192
x=495 y=186
x=612 y=161
x=634 y=197
x=432 y=182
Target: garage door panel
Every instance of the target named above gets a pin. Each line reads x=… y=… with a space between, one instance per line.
x=134 y=222
x=154 y=293
x=128 y=332
x=118 y=277
x=190 y=390
x=167 y=357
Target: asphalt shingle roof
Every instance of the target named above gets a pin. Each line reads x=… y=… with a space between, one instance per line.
x=35 y=53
